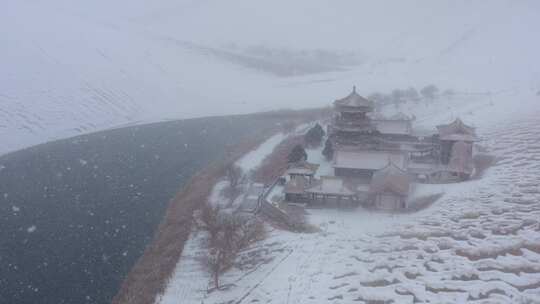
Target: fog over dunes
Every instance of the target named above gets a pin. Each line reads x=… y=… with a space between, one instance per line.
x=71 y=67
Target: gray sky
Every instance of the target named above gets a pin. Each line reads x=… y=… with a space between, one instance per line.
x=97 y=64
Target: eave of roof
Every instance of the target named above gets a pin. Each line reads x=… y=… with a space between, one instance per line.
x=354 y=100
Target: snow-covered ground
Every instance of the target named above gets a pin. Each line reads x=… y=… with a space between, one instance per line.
x=479 y=243
x=71 y=67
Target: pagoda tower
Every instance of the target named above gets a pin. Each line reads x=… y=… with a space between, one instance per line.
x=351 y=125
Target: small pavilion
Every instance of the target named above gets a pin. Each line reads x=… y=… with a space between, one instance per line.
x=302 y=169
x=330 y=189
x=390 y=187
x=452 y=133
x=295 y=188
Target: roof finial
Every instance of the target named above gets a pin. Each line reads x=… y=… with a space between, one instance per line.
x=354 y=89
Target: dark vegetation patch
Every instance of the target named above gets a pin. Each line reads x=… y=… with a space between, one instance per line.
x=368 y=301
x=337 y=297
x=338 y=286
x=475 y=254
x=405 y=292
x=486 y=295
x=379 y=283
x=466 y=277
x=348 y=274
x=443 y=289
x=410 y=275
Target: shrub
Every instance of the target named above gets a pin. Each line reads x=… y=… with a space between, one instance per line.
x=429 y=91
x=234 y=177
x=328 y=150
x=398 y=95
x=314 y=136
x=297 y=154
x=411 y=94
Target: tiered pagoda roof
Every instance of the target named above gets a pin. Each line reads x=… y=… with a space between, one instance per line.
x=354 y=102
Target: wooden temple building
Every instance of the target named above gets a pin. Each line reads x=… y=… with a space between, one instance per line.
x=377 y=161
x=390 y=187
x=456 y=147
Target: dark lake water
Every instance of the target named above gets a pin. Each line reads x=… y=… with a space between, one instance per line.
x=76 y=214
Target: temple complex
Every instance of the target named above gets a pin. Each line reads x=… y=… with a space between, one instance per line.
x=377 y=162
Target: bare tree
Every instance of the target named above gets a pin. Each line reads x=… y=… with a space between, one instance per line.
x=398 y=95
x=221 y=252
x=429 y=92
x=228 y=234
x=411 y=94
x=234 y=177
x=207 y=218
x=314 y=136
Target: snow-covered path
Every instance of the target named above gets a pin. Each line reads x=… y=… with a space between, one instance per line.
x=188 y=271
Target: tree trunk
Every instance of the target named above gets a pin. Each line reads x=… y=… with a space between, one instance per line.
x=216 y=279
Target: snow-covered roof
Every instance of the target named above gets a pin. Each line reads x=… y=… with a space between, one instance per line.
x=296 y=185
x=456 y=131
x=354 y=100
x=390 y=179
x=302 y=168
x=401 y=127
x=370 y=160
x=330 y=185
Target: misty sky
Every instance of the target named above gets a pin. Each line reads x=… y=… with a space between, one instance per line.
x=78 y=66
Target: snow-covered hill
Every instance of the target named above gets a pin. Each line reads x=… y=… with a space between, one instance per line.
x=69 y=67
